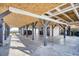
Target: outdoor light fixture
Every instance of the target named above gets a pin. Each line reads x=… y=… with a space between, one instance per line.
x=41 y=17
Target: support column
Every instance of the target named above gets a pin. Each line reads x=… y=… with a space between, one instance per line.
x=27 y=31
x=38 y=31
x=33 y=31
x=41 y=31
x=4 y=37
x=45 y=32
x=1 y=32
x=19 y=30
x=22 y=30
x=56 y=31
x=5 y=34
x=50 y=31
x=64 y=35
x=53 y=26
x=35 y=26
x=68 y=31
x=8 y=30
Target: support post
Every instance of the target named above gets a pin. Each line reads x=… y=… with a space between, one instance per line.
x=27 y=31
x=64 y=35
x=19 y=30
x=45 y=32
x=22 y=30
x=4 y=38
x=33 y=31
x=7 y=30
x=52 y=30
x=1 y=32
x=35 y=26
x=68 y=31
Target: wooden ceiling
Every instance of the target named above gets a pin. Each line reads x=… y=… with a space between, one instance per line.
x=67 y=12
x=16 y=20
x=57 y=12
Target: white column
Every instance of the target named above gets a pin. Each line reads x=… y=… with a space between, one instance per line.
x=56 y=31
x=3 y=33
x=50 y=31
x=37 y=33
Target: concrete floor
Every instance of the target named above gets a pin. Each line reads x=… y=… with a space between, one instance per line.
x=17 y=48
x=22 y=46
x=14 y=48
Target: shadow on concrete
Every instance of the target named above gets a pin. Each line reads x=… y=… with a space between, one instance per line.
x=23 y=49
x=30 y=44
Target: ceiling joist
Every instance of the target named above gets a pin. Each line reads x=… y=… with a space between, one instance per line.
x=64 y=14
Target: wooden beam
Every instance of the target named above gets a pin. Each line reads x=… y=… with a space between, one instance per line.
x=64 y=14
x=59 y=18
x=62 y=11
x=4 y=13
x=62 y=26
x=41 y=17
x=75 y=10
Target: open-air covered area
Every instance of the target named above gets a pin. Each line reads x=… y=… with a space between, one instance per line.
x=39 y=29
